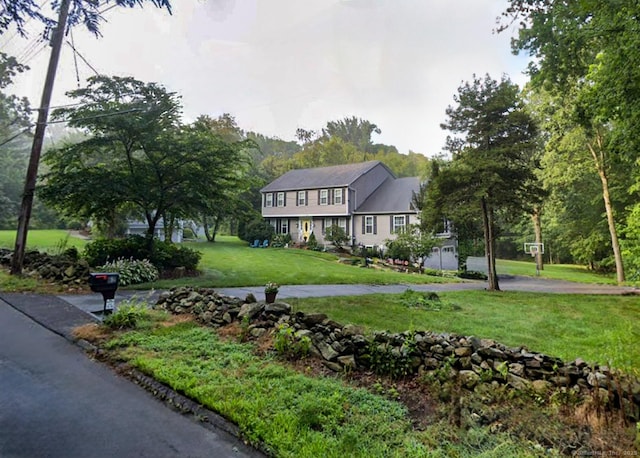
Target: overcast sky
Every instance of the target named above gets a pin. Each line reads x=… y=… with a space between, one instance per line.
x=277 y=65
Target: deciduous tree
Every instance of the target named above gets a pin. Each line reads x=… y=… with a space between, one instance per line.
x=138 y=155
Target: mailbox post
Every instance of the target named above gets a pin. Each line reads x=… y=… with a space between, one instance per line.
x=107 y=284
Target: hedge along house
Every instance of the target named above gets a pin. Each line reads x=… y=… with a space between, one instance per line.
x=365 y=199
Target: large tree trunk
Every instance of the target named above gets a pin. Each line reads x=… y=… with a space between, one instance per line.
x=537 y=229
x=489 y=246
x=598 y=153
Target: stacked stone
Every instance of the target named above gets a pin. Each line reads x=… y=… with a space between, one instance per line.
x=345 y=348
x=65 y=268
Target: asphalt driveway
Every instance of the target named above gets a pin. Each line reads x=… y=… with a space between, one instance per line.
x=56 y=402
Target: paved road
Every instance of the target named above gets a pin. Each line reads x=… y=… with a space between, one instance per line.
x=93 y=302
x=55 y=402
x=507 y=283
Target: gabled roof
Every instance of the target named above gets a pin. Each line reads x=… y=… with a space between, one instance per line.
x=321 y=177
x=393 y=196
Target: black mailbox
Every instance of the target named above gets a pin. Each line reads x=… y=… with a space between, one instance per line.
x=107 y=284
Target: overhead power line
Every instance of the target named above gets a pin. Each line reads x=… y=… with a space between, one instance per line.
x=76 y=52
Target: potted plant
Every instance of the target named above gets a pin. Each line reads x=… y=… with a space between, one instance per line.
x=270 y=292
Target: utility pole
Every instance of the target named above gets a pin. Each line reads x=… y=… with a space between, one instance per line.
x=38 y=140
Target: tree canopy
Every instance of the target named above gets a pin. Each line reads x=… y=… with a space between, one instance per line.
x=14 y=129
x=138 y=157
x=491 y=141
x=584 y=53
x=85 y=12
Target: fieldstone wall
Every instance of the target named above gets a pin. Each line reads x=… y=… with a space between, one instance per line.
x=473 y=360
x=66 y=268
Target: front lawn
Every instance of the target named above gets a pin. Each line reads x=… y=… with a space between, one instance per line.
x=602 y=329
x=50 y=240
x=568 y=272
x=230 y=262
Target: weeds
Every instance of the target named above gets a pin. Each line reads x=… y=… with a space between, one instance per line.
x=129 y=315
x=290 y=346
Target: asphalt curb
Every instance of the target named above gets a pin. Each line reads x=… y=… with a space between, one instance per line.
x=51 y=312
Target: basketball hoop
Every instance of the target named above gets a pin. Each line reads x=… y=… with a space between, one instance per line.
x=534 y=248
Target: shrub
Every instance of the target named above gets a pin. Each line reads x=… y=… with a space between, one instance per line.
x=132 y=271
x=472 y=275
x=127 y=316
x=163 y=255
x=257 y=230
x=336 y=235
x=312 y=243
x=288 y=345
x=280 y=240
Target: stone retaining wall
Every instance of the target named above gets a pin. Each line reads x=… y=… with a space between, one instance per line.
x=473 y=360
x=66 y=268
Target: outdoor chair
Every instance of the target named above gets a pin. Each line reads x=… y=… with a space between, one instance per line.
x=255 y=244
x=265 y=244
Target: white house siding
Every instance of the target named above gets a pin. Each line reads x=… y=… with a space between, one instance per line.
x=312 y=207
x=382 y=228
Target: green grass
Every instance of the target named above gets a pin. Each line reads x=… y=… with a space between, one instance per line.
x=291 y=414
x=230 y=262
x=566 y=272
x=603 y=329
x=43 y=240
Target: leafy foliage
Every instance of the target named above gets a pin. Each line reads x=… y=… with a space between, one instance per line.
x=257 y=230
x=492 y=168
x=163 y=255
x=411 y=244
x=18 y=12
x=132 y=271
x=14 y=142
x=312 y=243
x=139 y=158
x=128 y=315
x=280 y=240
x=290 y=346
x=336 y=235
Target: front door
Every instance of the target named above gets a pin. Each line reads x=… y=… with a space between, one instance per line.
x=306 y=228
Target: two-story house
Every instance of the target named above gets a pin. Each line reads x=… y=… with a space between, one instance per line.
x=365 y=199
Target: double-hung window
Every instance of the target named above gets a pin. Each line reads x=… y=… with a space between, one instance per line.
x=268 y=201
x=302 y=198
x=368 y=225
x=281 y=201
x=324 y=197
x=337 y=196
x=284 y=226
x=328 y=222
x=399 y=223
x=342 y=222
